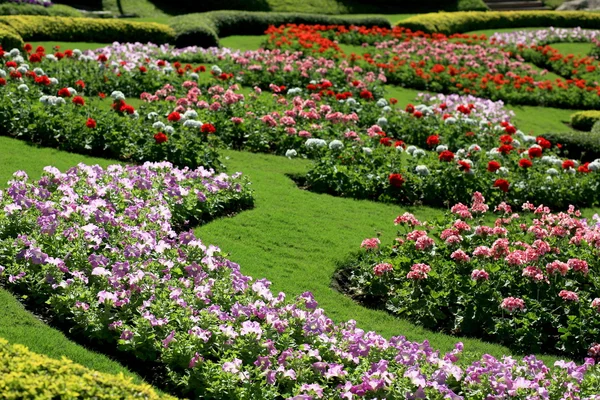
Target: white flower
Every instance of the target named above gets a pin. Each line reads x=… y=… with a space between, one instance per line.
x=135 y=115
x=191 y=114
x=461 y=153
x=51 y=57
x=520 y=185
x=291 y=153
x=216 y=70
x=23 y=88
x=469 y=121
x=315 y=143
x=14 y=52
x=502 y=171
x=18 y=59
x=57 y=101
x=76 y=52
x=167 y=70
x=294 y=91
x=169 y=129
x=441 y=148
x=2 y=73
x=152 y=115
x=382 y=103
x=528 y=139
x=22 y=70
x=194 y=76
x=158 y=125
x=382 y=121
x=516 y=143
x=551 y=171
x=399 y=149
x=192 y=123
x=474 y=147
x=117 y=95
x=336 y=145
x=39 y=71
x=450 y=121
x=386 y=109
x=418 y=153
x=44 y=99
x=367 y=150
x=411 y=149
x=351 y=102
x=570 y=171
x=72 y=91
x=594 y=165
x=422 y=170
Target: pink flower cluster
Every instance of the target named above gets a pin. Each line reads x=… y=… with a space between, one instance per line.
x=418 y=272
x=511 y=304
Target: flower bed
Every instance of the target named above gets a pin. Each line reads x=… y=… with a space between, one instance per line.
x=98 y=248
x=527 y=282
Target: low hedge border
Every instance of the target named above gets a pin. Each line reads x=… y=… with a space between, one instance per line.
x=57 y=10
x=29 y=27
x=585 y=120
x=204 y=29
x=24 y=374
x=459 y=22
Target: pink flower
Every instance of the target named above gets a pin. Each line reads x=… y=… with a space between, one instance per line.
x=568 y=295
x=460 y=256
x=462 y=225
x=418 y=272
x=237 y=120
x=407 y=218
x=596 y=304
x=511 y=304
x=503 y=207
x=382 y=268
x=424 y=242
x=480 y=275
x=482 y=251
x=462 y=211
x=370 y=244
x=414 y=235
x=578 y=265
x=557 y=267
x=534 y=273
x=454 y=239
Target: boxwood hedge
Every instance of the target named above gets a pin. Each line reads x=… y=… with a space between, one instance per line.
x=576 y=144
x=584 y=120
x=58 y=10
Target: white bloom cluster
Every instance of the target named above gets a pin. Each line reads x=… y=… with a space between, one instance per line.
x=216 y=70
x=422 y=170
x=191 y=114
x=192 y=123
x=382 y=103
x=294 y=91
x=336 y=145
x=152 y=115
x=52 y=100
x=502 y=171
x=169 y=129
x=313 y=143
x=193 y=75
x=441 y=148
x=291 y=153
x=382 y=121
x=411 y=149
x=23 y=88
x=367 y=150
x=158 y=125
x=117 y=95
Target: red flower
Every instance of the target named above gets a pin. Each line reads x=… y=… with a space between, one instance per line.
x=11 y=64
x=69 y=53
x=505 y=148
x=90 y=123
x=208 y=128
x=446 y=155
x=40 y=49
x=399 y=143
x=101 y=95
x=35 y=57
x=126 y=108
x=433 y=140
x=64 y=92
x=143 y=69
x=386 y=141
x=443 y=106
x=470 y=134
x=174 y=116
x=535 y=152
x=544 y=143
x=567 y=164
x=16 y=75
x=493 y=166
x=2 y=82
x=464 y=166
x=510 y=129
x=59 y=55
x=525 y=163
x=365 y=94
x=78 y=101
x=28 y=48
x=160 y=137
x=506 y=139
x=102 y=58
x=393 y=101
x=410 y=108
x=202 y=68
x=161 y=63
x=80 y=84
x=584 y=168
x=177 y=64
x=42 y=80
x=396 y=180
x=502 y=184
x=418 y=114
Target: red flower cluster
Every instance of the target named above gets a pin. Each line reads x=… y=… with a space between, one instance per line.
x=160 y=138
x=208 y=128
x=396 y=180
x=446 y=155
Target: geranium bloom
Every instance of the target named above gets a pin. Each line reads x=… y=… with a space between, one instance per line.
x=407 y=218
x=418 y=272
x=446 y=155
x=568 y=295
x=80 y=84
x=535 y=152
x=534 y=273
x=578 y=265
x=460 y=256
x=480 y=275
x=493 y=166
x=464 y=166
x=396 y=180
x=78 y=100
x=208 y=128
x=502 y=184
x=568 y=164
x=433 y=140
x=370 y=244
x=90 y=123
x=160 y=138
x=525 y=163
x=505 y=149
x=35 y=58
x=418 y=114
x=174 y=116
x=557 y=267
x=424 y=242
x=64 y=92
x=545 y=144
x=511 y=304
x=596 y=304
x=382 y=268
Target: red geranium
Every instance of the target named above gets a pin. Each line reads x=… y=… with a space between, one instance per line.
x=59 y=55
x=386 y=141
x=80 y=84
x=101 y=95
x=506 y=139
x=69 y=53
x=396 y=180
x=410 y=108
x=78 y=101
x=160 y=137
x=567 y=164
x=493 y=166
x=446 y=155
x=90 y=123
x=418 y=114
x=2 y=82
x=28 y=47
x=535 y=152
x=502 y=184
x=11 y=64
x=525 y=163
x=208 y=128
x=464 y=166
x=64 y=92
x=143 y=69
x=399 y=143
x=365 y=94
x=174 y=116
x=393 y=101
x=102 y=58
x=433 y=140
x=584 y=168
x=505 y=148
x=35 y=58
x=544 y=143
x=126 y=108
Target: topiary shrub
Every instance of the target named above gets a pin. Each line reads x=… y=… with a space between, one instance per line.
x=57 y=10
x=584 y=120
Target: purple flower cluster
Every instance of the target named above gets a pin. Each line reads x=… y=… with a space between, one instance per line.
x=98 y=246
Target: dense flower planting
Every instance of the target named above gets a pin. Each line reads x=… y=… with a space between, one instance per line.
x=98 y=248
x=529 y=282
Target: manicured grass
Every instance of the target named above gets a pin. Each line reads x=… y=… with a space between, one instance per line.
x=579 y=49
x=250 y=42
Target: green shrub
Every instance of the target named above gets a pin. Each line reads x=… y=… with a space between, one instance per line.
x=10 y=39
x=205 y=29
x=27 y=375
x=577 y=145
x=584 y=120
x=57 y=10
x=473 y=20
x=86 y=29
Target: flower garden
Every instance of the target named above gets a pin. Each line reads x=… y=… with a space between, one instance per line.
x=344 y=211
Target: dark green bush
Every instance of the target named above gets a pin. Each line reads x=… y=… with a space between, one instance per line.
x=577 y=145
x=471 y=21
x=584 y=120
x=9 y=38
x=57 y=10
x=86 y=29
x=205 y=29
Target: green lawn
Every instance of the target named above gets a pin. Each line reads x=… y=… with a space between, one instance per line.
x=579 y=49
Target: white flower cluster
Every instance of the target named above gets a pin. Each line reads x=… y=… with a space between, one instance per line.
x=52 y=100
x=313 y=143
x=117 y=95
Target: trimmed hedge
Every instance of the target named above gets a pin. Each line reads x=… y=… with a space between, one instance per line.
x=27 y=375
x=459 y=22
x=584 y=120
x=9 y=38
x=584 y=146
x=204 y=29
x=84 y=30
x=57 y=10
